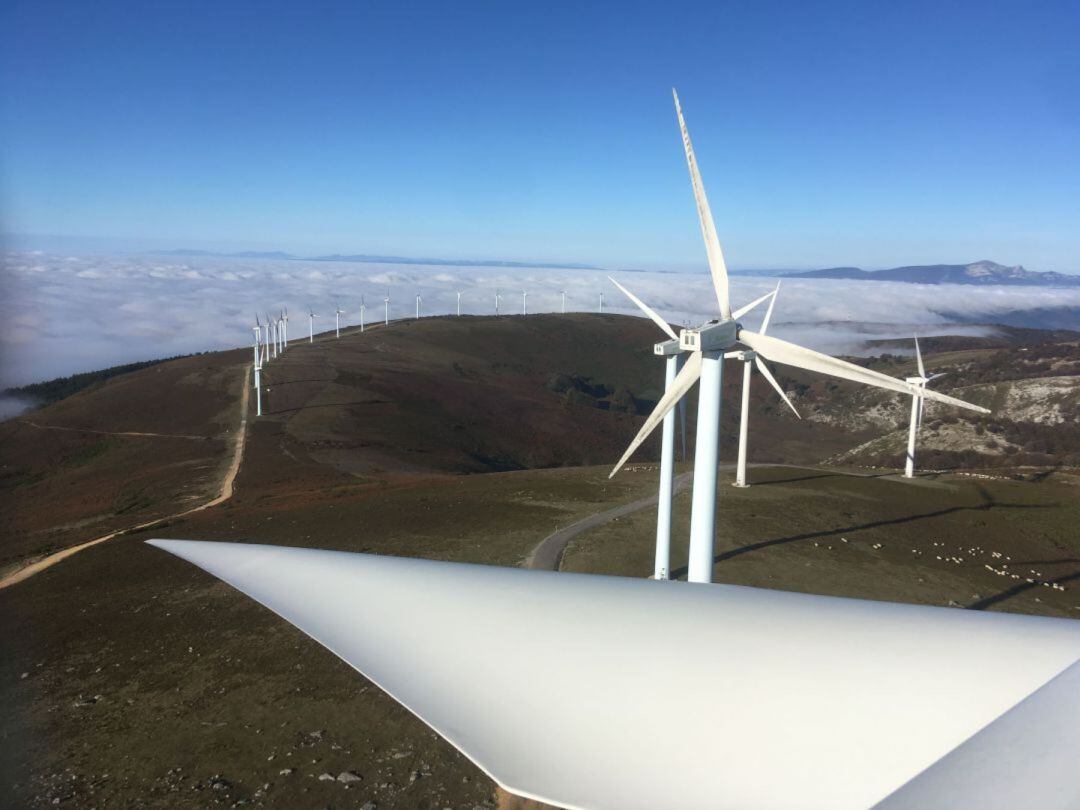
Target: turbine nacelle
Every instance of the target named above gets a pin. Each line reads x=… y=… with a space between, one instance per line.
x=715 y=336
x=667 y=348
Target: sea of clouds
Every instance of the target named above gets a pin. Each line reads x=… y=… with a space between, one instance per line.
x=65 y=314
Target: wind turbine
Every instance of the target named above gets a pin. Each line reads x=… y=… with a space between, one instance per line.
x=281 y=331
x=285 y=322
x=258 y=368
x=498 y=295
x=363 y=309
x=523 y=310
x=264 y=337
x=749 y=359
x=386 y=308
x=418 y=300
x=707 y=345
x=916 y=410
x=337 y=320
x=311 y=325
x=273 y=336
x=601 y=302
x=459 y=303
x=563 y=301
x=674 y=354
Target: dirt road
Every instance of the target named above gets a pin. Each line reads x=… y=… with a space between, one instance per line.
x=224 y=493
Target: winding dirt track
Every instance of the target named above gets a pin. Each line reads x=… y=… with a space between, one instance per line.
x=547 y=555
x=224 y=493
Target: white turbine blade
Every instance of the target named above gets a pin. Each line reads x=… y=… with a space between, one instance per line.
x=789 y=354
x=647 y=310
x=768 y=312
x=935 y=376
x=539 y=677
x=744 y=309
x=1025 y=758
x=708 y=228
x=764 y=369
x=918 y=359
x=683 y=382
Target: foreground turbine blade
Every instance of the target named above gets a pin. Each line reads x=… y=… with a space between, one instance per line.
x=647 y=310
x=708 y=229
x=684 y=381
x=764 y=369
x=918 y=358
x=539 y=677
x=744 y=309
x=789 y=354
x=985 y=771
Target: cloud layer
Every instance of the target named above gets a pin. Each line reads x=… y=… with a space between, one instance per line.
x=64 y=314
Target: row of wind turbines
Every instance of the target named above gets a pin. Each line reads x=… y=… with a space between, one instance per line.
x=272 y=335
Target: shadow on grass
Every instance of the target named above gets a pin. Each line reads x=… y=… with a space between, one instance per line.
x=987 y=504
x=1016 y=590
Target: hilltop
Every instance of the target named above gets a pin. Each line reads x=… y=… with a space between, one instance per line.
x=453 y=396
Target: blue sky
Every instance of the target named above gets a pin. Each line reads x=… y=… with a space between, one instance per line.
x=828 y=133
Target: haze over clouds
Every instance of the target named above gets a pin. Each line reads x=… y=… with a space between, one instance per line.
x=65 y=314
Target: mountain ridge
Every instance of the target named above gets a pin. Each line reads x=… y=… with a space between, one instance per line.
x=982 y=272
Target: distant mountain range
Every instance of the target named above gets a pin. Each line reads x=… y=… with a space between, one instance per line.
x=370 y=259
x=980 y=273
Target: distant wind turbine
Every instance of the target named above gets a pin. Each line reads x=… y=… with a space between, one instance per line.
x=363 y=309
x=524 y=311
x=917 y=403
x=272 y=336
x=337 y=320
x=419 y=300
x=749 y=359
x=498 y=295
x=285 y=321
x=311 y=325
x=563 y=301
x=459 y=303
x=601 y=302
x=258 y=368
x=707 y=345
x=386 y=308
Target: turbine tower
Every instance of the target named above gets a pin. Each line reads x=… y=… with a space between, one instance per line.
x=601 y=310
x=523 y=310
x=674 y=354
x=418 y=301
x=273 y=335
x=498 y=295
x=311 y=325
x=563 y=301
x=749 y=359
x=916 y=410
x=281 y=331
x=459 y=303
x=363 y=309
x=338 y=311
x=386 y=308
x=707 y=345
x=258 y=368
x=285 y=321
